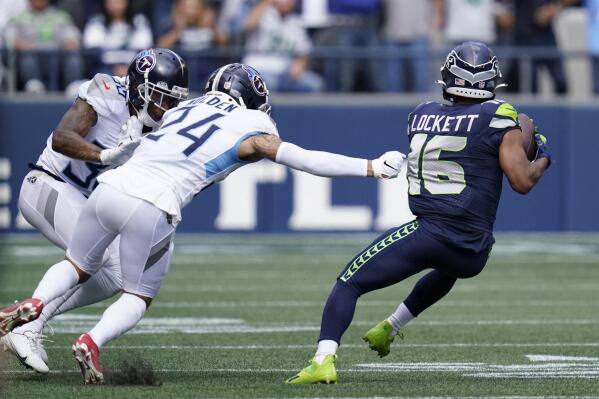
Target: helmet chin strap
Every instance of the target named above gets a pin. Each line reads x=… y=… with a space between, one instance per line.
x=146 y=119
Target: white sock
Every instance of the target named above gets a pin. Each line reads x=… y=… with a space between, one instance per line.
x=56 y=282
x=400 y=317
x=325 y=347
x=118 y=318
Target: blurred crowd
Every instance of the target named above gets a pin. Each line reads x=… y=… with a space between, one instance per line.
x=298 y=45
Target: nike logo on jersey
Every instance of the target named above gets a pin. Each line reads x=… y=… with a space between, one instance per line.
x=106 y=86
x=442 y=123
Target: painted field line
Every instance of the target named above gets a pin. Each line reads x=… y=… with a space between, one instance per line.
x=366 y=303
x=353 y=346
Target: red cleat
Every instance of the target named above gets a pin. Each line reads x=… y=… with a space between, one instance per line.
x=87 y=355
x=18 y=314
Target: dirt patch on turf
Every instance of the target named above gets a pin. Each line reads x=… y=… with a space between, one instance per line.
x=133 y=372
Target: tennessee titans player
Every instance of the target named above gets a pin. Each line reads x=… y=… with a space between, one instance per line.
x=459 y=152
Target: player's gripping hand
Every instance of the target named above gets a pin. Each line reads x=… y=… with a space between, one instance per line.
x=387 y=166
x=541 y=146
x=128 y=141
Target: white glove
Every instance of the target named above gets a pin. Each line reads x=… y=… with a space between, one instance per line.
x=128 y=141
x=388 y=165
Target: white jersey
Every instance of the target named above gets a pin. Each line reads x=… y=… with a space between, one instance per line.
x=196 y=146
x=107 y=95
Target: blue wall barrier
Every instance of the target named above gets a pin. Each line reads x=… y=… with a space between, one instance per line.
x=266 y=197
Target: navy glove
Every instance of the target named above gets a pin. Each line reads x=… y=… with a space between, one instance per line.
x=541 y=146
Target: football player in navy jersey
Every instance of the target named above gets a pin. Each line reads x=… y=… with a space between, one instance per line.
x=459 y=152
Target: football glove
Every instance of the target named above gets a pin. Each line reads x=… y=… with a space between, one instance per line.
x=541 y=146
x=129 y=139
x=387 y=166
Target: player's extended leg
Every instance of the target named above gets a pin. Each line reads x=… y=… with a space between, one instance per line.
x=145 y=251
x=391 y=258
x=53 y=208
x=90 y=238
x=453 y=263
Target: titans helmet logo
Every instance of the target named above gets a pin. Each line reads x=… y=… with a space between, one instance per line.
x=258 y=83
x=146 y=60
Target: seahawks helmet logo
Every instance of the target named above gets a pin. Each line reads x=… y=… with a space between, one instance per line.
x=146 y=61
x=258 y=83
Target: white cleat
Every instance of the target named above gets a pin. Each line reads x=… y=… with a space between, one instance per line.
x=28 y=348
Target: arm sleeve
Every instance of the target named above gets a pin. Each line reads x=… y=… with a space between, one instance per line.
x=320 y=163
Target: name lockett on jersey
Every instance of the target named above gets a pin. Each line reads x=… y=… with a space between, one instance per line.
x=443 y=123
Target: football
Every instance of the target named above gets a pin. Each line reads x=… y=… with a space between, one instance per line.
x=528 y=136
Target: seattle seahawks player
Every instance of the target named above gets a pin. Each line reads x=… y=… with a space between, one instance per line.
x=201 y=142
x=459 y=153
x=89 y=140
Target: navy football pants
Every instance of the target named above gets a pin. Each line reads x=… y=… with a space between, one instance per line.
x=394 y=256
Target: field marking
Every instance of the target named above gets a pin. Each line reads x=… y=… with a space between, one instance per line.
x=351 y=346
x=539 y=366
x=364 y=303
x=73 y=323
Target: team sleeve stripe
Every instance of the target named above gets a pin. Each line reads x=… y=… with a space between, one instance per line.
x=507 y=110
x=500 y=123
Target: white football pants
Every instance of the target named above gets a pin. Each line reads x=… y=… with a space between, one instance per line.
x=146 y=235
x=53 y=207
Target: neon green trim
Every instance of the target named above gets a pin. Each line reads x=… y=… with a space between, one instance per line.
x=371 y=252
x=507 y=110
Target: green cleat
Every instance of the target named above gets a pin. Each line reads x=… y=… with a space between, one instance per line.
x=315 y=373
x=379 y=338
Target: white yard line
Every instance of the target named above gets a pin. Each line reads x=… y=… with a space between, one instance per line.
x=353 y=346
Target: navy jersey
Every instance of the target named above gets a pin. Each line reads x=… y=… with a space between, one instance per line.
x=453 y=169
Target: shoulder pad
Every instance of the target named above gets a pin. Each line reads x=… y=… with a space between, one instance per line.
x=503 y=114
x=109 y=87
x=105 y=93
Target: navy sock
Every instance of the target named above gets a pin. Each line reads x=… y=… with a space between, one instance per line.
x=428 y=290
x=338 y=311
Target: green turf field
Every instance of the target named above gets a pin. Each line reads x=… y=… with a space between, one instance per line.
x=239 y=314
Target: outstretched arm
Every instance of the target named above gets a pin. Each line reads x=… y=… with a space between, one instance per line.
x=521 y=173
x=318 y=163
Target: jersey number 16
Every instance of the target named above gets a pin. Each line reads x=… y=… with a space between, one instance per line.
x=439 y=177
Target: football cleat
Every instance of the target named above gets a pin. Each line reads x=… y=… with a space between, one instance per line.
x=19 y=314
x=316 y=373
x=380 y=337
x=28 y=349
x=87 y=355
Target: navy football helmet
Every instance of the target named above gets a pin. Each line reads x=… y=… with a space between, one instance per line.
x=241 y=82
x=156 y=77
x=471 y=70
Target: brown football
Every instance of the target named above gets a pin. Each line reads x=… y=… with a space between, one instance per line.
x=528 y=136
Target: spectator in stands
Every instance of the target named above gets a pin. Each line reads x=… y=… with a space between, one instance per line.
x=407 y=30
x=36 y=30
x=354 y=24
x=593 y=39
x=475 y=20
x=10 y=8
x=119 y=34
x=192 y=27
x=231 y=19
x=533 y=27
x=192 y=32
x=279 y=47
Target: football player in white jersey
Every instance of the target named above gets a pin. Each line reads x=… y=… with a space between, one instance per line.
x=100 y=131
x=201 y=142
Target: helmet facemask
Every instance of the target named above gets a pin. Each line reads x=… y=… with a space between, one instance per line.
x=160 y=96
